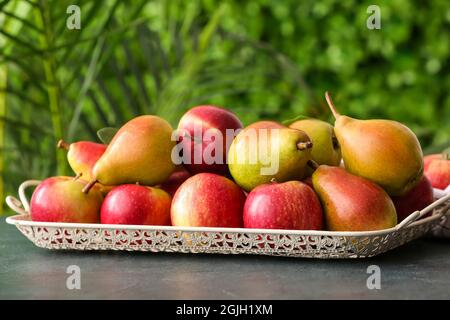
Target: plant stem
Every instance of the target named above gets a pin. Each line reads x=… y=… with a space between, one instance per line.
x=46 y=41
x=3 y=84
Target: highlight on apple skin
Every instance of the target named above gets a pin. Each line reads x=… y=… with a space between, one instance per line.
x=208 y=200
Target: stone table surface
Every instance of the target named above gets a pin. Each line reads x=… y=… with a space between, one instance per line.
x=420 y=269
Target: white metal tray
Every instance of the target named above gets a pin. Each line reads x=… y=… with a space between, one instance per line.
x=289 y=243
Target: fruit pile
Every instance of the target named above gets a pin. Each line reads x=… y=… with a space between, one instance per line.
x=359 y=175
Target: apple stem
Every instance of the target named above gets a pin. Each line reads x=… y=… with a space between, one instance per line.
x=62 y=145
x=78 y=176
x=331 y=105
x=89 y=186
x=304 y=145
x=445 y=156
x=273 y=180
x=312 y=164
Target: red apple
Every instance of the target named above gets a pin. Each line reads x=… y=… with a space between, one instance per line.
x=205 y=118
x=429 y=158
x=288 y=205
x=135 y=204
x=437 y=170
x=208 y=200
x=265 y=124
x=175 y=180
x=60 y=199
x=415 y=200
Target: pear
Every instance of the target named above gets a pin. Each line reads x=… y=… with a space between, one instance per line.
x=82 y=156
x=383 y=151
x=140 y=152
x=352 y=203
x=264 y=152
x=326 y=148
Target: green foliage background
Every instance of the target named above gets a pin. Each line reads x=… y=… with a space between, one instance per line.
x=262 y=59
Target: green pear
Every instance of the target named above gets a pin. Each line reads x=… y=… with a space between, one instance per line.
x=326 y=148
x=264 y=152
x=140 y=152
x=352 y=203
x=383 y=151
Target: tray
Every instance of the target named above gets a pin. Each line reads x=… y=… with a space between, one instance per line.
x=286 y=243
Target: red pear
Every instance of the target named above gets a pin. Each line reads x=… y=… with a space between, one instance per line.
x=82 y=156
x=352 y=203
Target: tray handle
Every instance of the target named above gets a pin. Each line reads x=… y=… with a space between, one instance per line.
x=15 y=205
x=21 y=206
x=419 y=214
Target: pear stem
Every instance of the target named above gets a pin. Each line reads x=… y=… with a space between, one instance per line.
x=89 y=186
x=312 y=164
x=335 y=142
x=62 y=145
x=304 y=145
x=331 y=105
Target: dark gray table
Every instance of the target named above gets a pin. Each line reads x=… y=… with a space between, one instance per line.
x=420 y=269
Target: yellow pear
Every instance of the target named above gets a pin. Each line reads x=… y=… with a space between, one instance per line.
x=383 y=151
x=140 y=152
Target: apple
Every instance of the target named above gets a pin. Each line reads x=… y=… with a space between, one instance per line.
x=266 y=124
x=429 y=158
x=206 y=118
x=60 y=199
x=289 y=205
x=437 y=170
x=175 y=180
x=415 y=200
x=136 y=204
x=208 y=200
